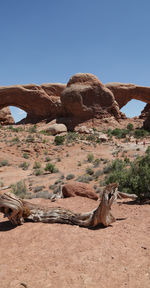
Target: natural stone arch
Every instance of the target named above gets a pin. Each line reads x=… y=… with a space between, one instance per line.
x=83 y=98
x=37 y=101
x=123 y=93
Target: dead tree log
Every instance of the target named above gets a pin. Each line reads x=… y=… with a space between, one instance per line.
x=18 y=210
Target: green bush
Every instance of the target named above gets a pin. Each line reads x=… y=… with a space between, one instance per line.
x=90 y=157
x=71 y=137
x=96 y=163
x=50 y=167
x=47 y=159
x=134 y=179
x=4 y=163
x=130 y=126
x=15 y=129
x=92 y=138
x=59 y=140
x=24 y=165
x=38 y=172
x=70 y=176
x=84 y=178
x=25 y=155
x=97 y=174
x=19 y=189
x=37 y=165
x=30 y=139
x=120 y=133
x=38 y=188
x=89 y=171
x=139 y=133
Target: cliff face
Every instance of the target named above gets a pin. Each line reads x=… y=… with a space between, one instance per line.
x=83 y=98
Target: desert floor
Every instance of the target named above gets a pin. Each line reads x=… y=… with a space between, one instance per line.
x=59 y=255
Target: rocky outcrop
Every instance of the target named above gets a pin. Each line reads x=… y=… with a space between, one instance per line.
x=85 y=97
x=146 y=124
x=6 y=117
x=145 y=112
x=78 y=189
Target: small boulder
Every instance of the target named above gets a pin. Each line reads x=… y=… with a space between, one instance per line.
x=103 y=137
x=79 y=189
x=83 y=129
x=54 y=129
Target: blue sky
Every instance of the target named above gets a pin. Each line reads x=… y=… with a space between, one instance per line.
x=50 y=40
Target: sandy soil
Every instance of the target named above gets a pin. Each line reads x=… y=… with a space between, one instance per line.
x=54 y=255
x=58 y=255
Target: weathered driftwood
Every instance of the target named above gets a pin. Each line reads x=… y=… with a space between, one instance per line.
x=126 y=195
x=18 y=210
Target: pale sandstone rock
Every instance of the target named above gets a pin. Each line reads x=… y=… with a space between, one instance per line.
x=103 y=137
x=56 y=129
x=83 y=129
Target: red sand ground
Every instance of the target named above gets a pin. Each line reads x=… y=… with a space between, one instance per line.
x=56 y=255
x=37 y=255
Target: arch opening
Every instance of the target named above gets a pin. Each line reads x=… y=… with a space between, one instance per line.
x=133 y=108
x=17 y=113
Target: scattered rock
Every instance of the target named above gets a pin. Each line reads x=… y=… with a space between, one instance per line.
x=83 y=129
x=79 y=189
x=103 y=137
x=56 y=129
x=53 y=128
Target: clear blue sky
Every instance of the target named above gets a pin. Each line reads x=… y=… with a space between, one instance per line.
x=50 y=40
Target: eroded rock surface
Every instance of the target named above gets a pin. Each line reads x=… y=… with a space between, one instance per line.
x=38 y=101
x=123 y=93
x=84 y=97
x=6 y=117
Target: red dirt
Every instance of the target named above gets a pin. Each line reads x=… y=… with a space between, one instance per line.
x=59 y=255
x=55 y=255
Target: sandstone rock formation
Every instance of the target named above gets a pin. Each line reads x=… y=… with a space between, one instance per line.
x=38 y=101
x=145 y=112
x=78 y=189
x=83 y=98
x=123 y=93
x=6 y=117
